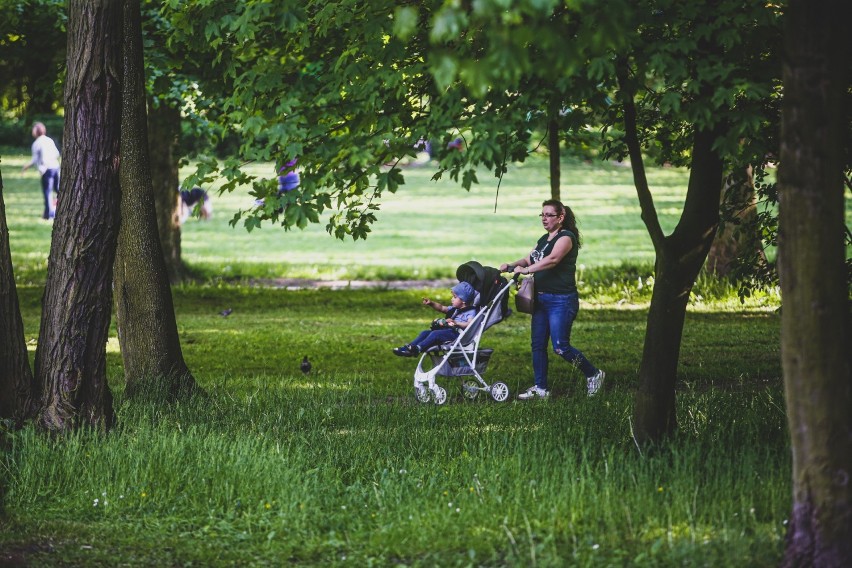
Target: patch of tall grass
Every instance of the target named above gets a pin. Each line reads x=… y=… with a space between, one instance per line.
x=331 y=474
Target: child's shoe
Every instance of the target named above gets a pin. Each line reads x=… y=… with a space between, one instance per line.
x=407 y=351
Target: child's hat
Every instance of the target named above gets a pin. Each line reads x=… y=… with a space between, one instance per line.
x=465 y=292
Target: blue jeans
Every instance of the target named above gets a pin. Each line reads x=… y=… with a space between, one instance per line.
x=553 y=317
x=430 y=338
x=49 y=184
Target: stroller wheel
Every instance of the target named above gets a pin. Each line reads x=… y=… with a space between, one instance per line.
x=499 y=391
x=440 y=395
x=421 y=393
x=470 y=389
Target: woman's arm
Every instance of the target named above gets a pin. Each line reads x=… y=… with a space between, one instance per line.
x=510 y=266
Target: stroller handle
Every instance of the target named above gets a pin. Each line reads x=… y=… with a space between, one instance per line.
x=515 y=275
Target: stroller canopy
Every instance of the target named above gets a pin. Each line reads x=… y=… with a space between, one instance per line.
x=485 y=279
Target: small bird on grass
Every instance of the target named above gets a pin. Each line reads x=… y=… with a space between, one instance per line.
x=306 y=365
x=225 y=313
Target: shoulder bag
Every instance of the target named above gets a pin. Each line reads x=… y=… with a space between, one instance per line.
x=525 y=298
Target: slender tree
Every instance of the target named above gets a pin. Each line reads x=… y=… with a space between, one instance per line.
x=70 y=361
x=738 y=236
x=145 y=317
x=163 y=151
x=699 y=96
x=15 y=374
x=815 y=319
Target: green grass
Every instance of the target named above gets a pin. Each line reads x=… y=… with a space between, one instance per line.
x=344 y=468
x=425 y=230
x=329 y=474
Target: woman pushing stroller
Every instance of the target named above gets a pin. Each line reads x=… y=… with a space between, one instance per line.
x=554 y=263
x=446 y=329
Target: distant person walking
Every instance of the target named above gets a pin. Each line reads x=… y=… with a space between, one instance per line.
x=554 y=263
x=46 y=160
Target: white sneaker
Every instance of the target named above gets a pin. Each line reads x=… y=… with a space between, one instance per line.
x=595 y=383
x=533 y=392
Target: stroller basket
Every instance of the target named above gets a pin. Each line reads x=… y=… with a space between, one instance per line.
x=457 y=366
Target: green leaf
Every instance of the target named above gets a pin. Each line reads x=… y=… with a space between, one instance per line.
x=405 y=22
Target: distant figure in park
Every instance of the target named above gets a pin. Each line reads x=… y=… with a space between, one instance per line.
x=46 y=160
x=188 y=201
x=288 y=177
x=458 y=316
x=288 y=180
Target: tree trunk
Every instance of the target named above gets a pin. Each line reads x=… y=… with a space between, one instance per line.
x=70 y=362
x=15 y=374
x=147 y=330
x=555 y=166
x=815 y=320
x=739 y=236
x=163 y=131
x=679 y=259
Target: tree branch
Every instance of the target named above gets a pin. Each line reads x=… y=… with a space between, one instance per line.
x=646 y=201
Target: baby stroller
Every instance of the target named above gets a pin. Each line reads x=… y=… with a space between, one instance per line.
x=464 y=356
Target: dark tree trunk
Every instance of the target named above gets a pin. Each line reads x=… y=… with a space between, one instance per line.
x=555 y=167
x=145 y=317
x=679 y=258
x=163 y=131
x=678 y=263
x=15 y=374
x=815 y=320
x=71 y=355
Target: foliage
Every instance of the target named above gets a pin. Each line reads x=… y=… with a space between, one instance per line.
x=32 y=56
x=346 y=95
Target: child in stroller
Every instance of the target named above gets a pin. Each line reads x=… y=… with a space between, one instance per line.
x=462 y=356
x=443 y=330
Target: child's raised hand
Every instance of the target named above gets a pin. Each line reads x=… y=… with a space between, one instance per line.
x=427 y=302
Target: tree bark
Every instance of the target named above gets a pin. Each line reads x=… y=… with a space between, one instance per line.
x=555 y=166
x=815 y=319
x=15 y=374
x=145 y=317
x=739 y=237
x=70 y=362
x=163 y=131
x=679 y=260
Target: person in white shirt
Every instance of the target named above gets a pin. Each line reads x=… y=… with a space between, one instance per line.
x=46 y=160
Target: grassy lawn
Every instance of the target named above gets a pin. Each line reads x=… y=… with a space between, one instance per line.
x=344 y=467
x=425 y=230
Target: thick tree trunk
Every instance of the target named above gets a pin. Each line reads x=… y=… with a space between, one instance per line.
x=15 y=374
x=679 y=259
x=71 y=355
x=555 y=166
x=147 y=330
x=163 y=131
x=815 y=320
